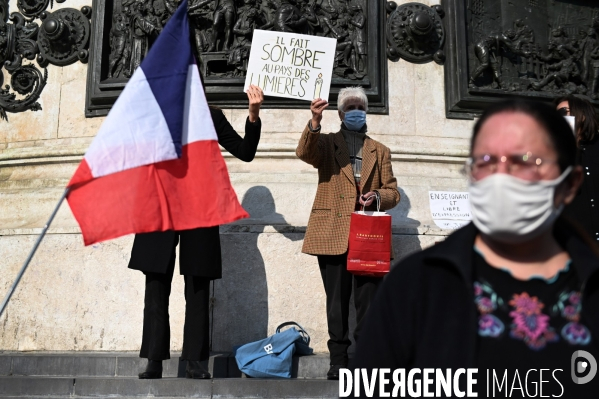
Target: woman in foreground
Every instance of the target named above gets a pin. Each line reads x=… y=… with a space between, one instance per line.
x=514 y=291
x=583 y=209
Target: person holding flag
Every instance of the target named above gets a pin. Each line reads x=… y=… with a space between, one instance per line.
x=199 y=262
x=155 y=169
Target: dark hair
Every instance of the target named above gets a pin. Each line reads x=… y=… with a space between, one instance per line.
x=558 y=130
x=586 y=119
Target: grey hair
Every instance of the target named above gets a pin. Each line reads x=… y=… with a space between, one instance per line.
x=348 y=93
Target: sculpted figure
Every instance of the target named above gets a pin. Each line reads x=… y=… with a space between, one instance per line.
x=243 y=29
x=224 y=14
x=142 y=27
x=359 y=60
x=319 y=20
x=289 y=18
x=523 y=35
x=595 y=71
x=158 y=7
x=587 y=45
x=326 y=16
x=247 y=4
x=309 y=12
x=268 y=10
x=171 y=6
x=119 y=51
x=127 y=6
x=559 y=35
x=344 y=44
x=201 y=20
x=486 y=52
x=560 y=72
x=483 y=51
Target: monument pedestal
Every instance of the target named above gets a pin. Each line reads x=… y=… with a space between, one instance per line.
x=114 y=374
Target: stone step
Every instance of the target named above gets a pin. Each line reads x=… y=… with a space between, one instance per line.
x=123 y=387
x=128 y=364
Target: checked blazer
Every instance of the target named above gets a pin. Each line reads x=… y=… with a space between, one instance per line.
x=328 y=226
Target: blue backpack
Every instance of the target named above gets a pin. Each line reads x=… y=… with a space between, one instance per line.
x=272 y=357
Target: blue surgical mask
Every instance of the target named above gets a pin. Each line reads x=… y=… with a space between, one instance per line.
x=354 y=119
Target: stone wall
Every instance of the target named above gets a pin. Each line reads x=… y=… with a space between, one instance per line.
x=84 y=298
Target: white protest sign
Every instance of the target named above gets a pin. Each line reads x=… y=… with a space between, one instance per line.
x=450 y=210
x=451 y=224
x=291 y=65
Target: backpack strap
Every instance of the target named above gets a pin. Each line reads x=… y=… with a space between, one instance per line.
x=303 y=333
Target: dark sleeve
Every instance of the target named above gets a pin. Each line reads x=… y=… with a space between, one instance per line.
x=242 y=148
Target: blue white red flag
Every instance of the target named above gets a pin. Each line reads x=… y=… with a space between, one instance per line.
x=155 y=163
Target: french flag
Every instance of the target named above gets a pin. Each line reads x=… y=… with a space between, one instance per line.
x=155 y=163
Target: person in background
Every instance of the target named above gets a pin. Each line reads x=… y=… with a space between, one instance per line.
x=516 y=289
x=584 y=209
x=353 y=171
x=199 y=263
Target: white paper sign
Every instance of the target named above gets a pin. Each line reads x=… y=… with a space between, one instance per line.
x=291 y=65
x=450 y=210
x=451 y=224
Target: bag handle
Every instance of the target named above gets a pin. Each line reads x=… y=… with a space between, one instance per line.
x=378 y=201
x=303 y=333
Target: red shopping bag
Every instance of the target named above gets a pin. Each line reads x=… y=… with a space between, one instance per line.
x=369 y=244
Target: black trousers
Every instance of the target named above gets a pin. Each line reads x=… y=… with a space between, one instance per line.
x=338 y=287
x=156 y=328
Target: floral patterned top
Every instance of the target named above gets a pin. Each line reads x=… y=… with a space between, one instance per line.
x=533 y=324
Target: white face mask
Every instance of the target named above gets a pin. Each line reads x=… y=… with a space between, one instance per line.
x=572 y=122
x=513 y=210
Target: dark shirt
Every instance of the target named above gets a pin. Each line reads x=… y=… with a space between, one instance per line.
x=355 y=145
x=584 y=209
x=424 y=314
x=525 y=326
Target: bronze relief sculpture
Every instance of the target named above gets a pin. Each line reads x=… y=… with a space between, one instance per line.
x=538 y=49
x=565 y=65
x=222 y=31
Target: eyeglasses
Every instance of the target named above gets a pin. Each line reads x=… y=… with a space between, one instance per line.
x=564 y=111
x=524 y=166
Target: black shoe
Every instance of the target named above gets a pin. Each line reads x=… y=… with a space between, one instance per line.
x=196 y=371
x=153 y=370
x=333 y=373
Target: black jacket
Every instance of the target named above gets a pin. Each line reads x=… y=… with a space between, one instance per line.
x=200 y=248
x=584 y=210
x=424 y=313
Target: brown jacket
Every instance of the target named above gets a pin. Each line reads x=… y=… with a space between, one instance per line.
x=328 y=227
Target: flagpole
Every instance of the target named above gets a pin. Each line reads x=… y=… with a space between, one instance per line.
x=37 y=243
